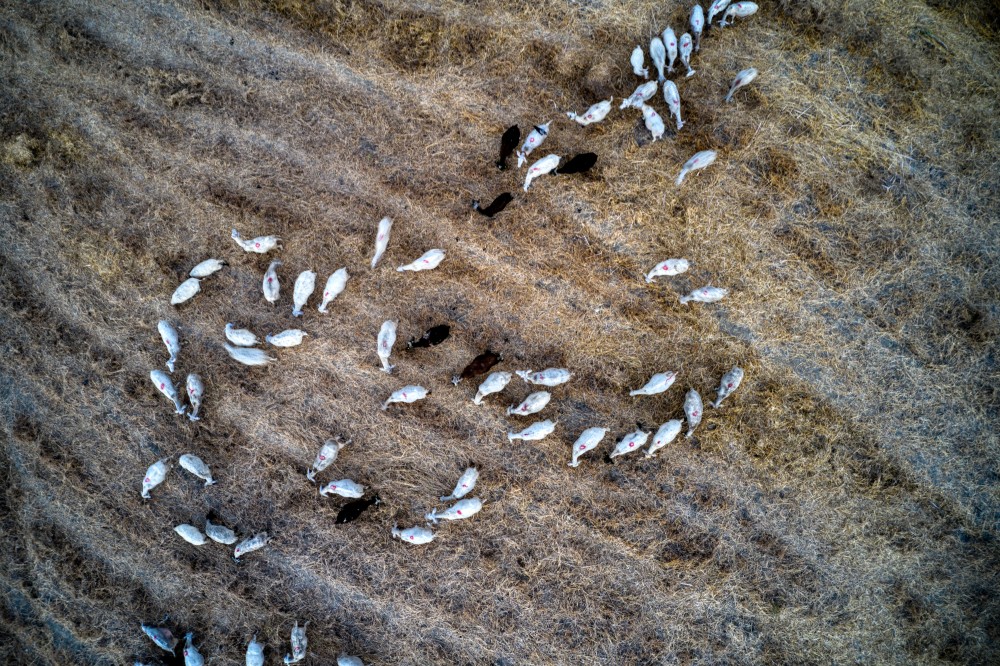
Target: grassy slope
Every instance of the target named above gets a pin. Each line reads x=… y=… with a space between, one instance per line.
x=841 y=507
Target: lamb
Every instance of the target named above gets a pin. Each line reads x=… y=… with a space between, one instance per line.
x=260 y=245
x=249 y=356
x=406 y=394
x=693 y=409
x=327 y=454
x=465 y=484
x=547 y=377
x=631 y=442
x=742 y=79
x=191 y=534
x=195 y=391
x=415 y=535
x=429 y=260
x=658 y=383
x=508 y=142
x=730 y=382
x=382 y=239
x=197 y=466
x=386 y=339
x=335 y=284
x=497 y=206
x=534 y=140
x=666 y=434
x=699 y=160
x=668 y=267
x=495 y=383
x=291 y=337
x=594 y=114
x=206 y=268
x=344 y=488
x=166 y=387
x=305 y=283
x=170 y=338
x=255 y=542
x=155 y=475
x=299 y=644
x=540 y=168
x=240 y=337
x=271 y=286
x=460 y=510
x=186 y=291
x=534 y=432
x=707 y=294
x=587 y=441
x=533 y=404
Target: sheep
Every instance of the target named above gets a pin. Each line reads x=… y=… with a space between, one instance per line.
x=191 y=534
x=707 y=294
x=291 y=337
x=495 y=383
x=219 y=533
x=207 y=267
x=631 y=442
x=594 y=114
x=497 y=206
x=577 y=164
x=666 y=434
x=155 y=475
x=299 y=643
x=170 y=338
x=406 y=394
x=240 y=337
x=382 y=239
x=386 y=339
x=256 y=542
x=547 y=377
x=658 y=54
x=255 y=652
x=344 y=488
x=352 y=510
x=415 y=535
x=636 y=60
x=654 y=123
x=195 y=392
x=716 y=8
x=186 y=291
x=459 y=511
x=508 y=142
x=163 y=384
x=540 y=168
x=348 y=660
x=197 y=466
x=534 y=432
x=162 y=636
x=673 y=99
x=533 y=140
x=742 y=79
x=305 y=283
x=434 y=336
x=693 y=409
x=271 y=286
x=249 y=356
x=658 y=383
x=686 y=45
x=738 y=9
x=327 y=454
x=729 y=383
x=260 y=245
x=429 y=260
x=335 y=284
x=644 y=92
x=668 y=267
x=478 y=366
x=699 y=160
x=533 y=404
x=588 y=440
x=697 y=22
x=191 y=655
x=670 y=42
x=464 y=486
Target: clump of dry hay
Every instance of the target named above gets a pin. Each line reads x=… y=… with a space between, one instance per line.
x=841 y=507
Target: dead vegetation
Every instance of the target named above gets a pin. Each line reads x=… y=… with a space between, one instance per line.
x=841 y=507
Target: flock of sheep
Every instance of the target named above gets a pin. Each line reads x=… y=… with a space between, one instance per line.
x=242 y=344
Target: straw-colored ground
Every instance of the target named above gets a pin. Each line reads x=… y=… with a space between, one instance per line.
x=842 y=507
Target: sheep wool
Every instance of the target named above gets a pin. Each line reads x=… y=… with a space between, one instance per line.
x=206 y=268
x=291 y=337
x=219 y=533
x=162 y=637
x=191 y=534
x=271 y=285
x=693 y=409
x=587 y=441
x=197 y=466
x=170 y=338
x=666 y=434
x=667 y=268
x=305 y=283
x=191 y=655
x=195 y=391
x=255 y=652
x=335 y=284
x=465 y=484
x=155 y=475
x=534 y=432
x=299 y=644
x=344 y=488
x=406 y=394
x=253 y=357
x=495 y=383
x=533 y=404
x=186 y=291
x=241 y=337
x=658 y=383
x=459 y=511
x=730 y=382
x=163 y=384
x=415 y=535
x=255 y=542
x=547 y=377
x=631 y=442
x=327 y=454
x=381 y=239
x=707 y=294
x=429 y=260
x=259 y=245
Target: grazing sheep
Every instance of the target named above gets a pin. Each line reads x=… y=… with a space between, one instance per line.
x=185 y=291
x=191 y=534
x=693 y=409
x=219 y=533
x=658 y=383
x=654 y=123
x=240 y=337
x=716 y=8
x=191 y=655
x=666 y=434
x=352 y=510
x=327 y=454
x=415 y=535
x=348 y=660
x=670 y=42
x=637 y=61
x=195 y=391
x=465 y=484
x=162 y=636
x=459 y=511
x=335 y=284
x=386 y=339
x=260 y=245
x=730 y=382
x=429 y=260
x=249 y=356
x=547 y=377
x=255 y=652
x=255 y=542
x=344 y=488
x=170 y=338
x=478 y=366
x=742 y=79
x=587 y=441
x=299 y=644
x=697 y=22
x=155 y=475
x=533 y=404
x=271 y=286
x=641 y=94
x=382 y=239
x=658 y=54
x=668 y=268
x=594 y=114
x=508 y=142
x=305 y=283
x=166 y=387
x=699 y=160
x=631 y=442
x=686 y=45
x=497 y=206
x=291 y=337
x=432 y=337
x=540 y=168
x=738 y=9
x=673 y=99
x=707 y=294
x=534 y=140
x=534 y=432
x=197 y=466
x=577 y=164
x=406 y=394
x=495 y=383
x=207 y=267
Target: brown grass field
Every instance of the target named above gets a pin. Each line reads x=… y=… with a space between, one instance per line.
x=841 y=508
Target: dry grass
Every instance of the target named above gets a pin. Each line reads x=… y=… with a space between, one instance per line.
x=841 y=508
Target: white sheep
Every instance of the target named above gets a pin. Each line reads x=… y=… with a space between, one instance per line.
x=299 y=643
x=540 y=168
x=697 y=23
x=460 y=510
x=191 y=534
x=260 y=245
x=631 y=442
x=271 y=284
x=197 y=466
x=206 y=268
x=730 y=382
x=495 y=383
x=533 y=404
x=547 y=377
x=653 y=121
x=256 y=542
x=699 y=160
x=305 y=283
x=534 y=432
x=191 y=655
x=219 y=533
x=195 y=392
x=716 y=8
x=415 y=535
x=240 y=337
x=668 y=267
x=532 y=141
x=155 y=475
x=738 y=9
x=658 y=383
x=163 y=384
x=429 y=260
x=641 y=94
x=186 y=291
x=291 y=337
x=255 y=652
x=386 y=339
x=348 y=660
x=335 y=284
x=742 y=79
x=382 y=239
x=686 y=45
x=249 y=356
x=693 y=409
x=670 y=43
x=594 y=114
x=327 y=454
x=162 y=636
x=170 y=338
x=673 y=99
x=658 y=55
x=344 y=488
x=666 y=434
x=707 y=294
x=406 y=394
x=587 y=441
x=465 y=484
x=636 y=60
